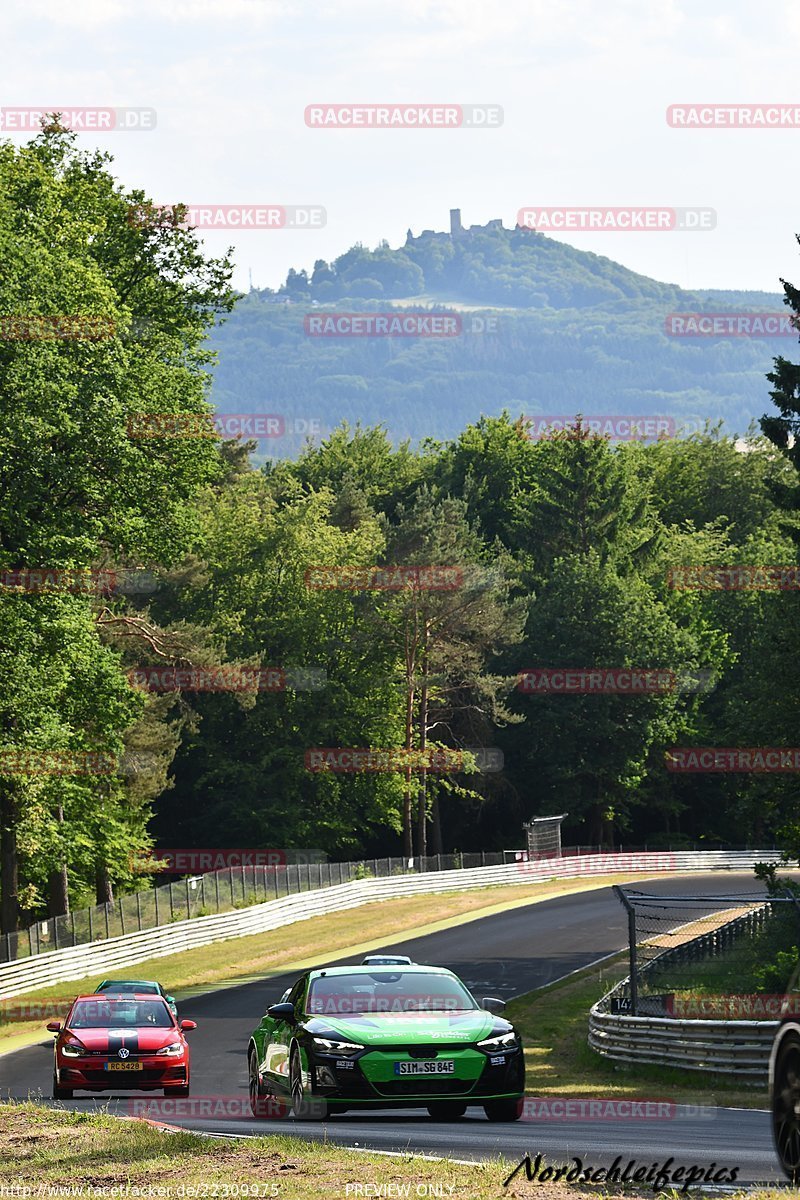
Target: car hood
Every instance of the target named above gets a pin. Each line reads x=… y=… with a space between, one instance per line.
x=112 y=1040
x=375 y=1029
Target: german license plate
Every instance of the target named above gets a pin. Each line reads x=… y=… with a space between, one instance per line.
x=423 y=1066
x=123 y=1066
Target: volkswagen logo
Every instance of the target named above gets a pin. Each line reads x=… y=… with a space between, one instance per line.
x=124 y=1053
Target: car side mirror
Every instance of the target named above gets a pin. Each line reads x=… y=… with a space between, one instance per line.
x=186 y=1026
x=281 y=1012
x=170 y=999
x=54 y=1026
x=493 y=1005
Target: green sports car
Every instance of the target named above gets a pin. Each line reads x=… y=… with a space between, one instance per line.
x=385 y=1037
x=126 y=987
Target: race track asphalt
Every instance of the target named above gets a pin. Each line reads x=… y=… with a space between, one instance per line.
x=504 y=955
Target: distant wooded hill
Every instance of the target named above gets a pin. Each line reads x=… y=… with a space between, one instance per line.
x=549 y=329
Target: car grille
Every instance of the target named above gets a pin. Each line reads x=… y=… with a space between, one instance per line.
x=442 y=1085
x=113 y=1056
x=420 y=1051
x=124 y=1081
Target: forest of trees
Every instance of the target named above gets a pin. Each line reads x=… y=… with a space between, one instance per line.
x=561 y=550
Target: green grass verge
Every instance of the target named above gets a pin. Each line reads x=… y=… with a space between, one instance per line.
x=559 y=1062
x=99 y=1157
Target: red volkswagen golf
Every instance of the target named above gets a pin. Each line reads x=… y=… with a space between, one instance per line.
x=129 y=1042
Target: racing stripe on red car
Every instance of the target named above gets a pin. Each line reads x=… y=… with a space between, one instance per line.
x=127 y=1039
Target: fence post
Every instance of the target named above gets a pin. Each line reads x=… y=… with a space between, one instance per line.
x=108 y=931
x=55 y=937
x=30 y=939
x=158 y=922
x=216 y=885
x=121 y=916
x=74 y=934
x=631 y=911
x=139 y=910
x=188 y=900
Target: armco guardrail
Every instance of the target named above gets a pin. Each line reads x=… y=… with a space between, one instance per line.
x=76 y=962
x=738 y=1048
x=241 y=886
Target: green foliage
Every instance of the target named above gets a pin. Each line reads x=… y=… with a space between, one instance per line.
x=78 y=492
x=562 y=548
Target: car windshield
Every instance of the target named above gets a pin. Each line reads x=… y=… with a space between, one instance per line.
x=120 y=1014
x=126 y=986
x=387 y=992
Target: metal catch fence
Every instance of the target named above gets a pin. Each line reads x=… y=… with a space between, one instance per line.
x=215 y=892
x=708 y=957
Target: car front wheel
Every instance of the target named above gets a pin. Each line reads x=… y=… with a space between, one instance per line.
x=305 y=1106
x=60 y=1093
x=261 y=1103
x=786 y=1106
x=503 y=1110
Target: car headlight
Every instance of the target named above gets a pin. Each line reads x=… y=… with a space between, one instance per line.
x=501 y=1041
x=173 y=1049
x=329 y=1046
x=72 y=1050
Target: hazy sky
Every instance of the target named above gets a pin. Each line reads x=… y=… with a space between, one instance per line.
x=584 y=87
